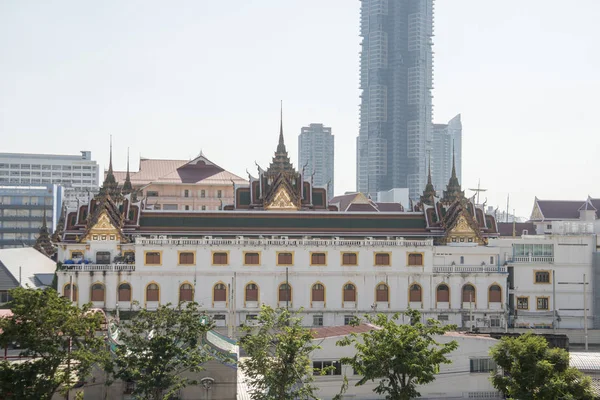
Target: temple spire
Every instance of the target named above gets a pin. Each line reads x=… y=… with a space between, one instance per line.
x=281 y=161
x=43 y=244
x=127 y=187
x=453 y=161
x=281 y=146
x=110 y=185
x=110 y=167
x=453 y=190
x=429 y=192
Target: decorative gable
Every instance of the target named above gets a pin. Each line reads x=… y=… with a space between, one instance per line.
x=282 y=200
x=103 y=229
x=536 y=214
x=463 y=232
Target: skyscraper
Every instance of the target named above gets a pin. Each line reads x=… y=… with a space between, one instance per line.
x=447 y=138
x=315 y=155
x=396 y=77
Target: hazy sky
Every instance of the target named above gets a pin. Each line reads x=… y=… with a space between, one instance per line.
x=169 y=79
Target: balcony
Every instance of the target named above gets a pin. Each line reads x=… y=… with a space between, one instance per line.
x=532 y=259
x=99 y=267
x=470 y=269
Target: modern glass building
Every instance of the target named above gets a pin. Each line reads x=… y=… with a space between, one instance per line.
x=447 y=141
x=316 y=155
x=396 y=78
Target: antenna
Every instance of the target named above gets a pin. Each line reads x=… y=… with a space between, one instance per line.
x=478 y=190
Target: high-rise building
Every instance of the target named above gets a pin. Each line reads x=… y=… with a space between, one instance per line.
x=396 y=77
x=447 y=142
x=315 y=155
x=78 y=174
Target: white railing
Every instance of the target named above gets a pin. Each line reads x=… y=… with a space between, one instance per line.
x=99 y=267
x=398 y=242
x=468 y=269
x=528 y=259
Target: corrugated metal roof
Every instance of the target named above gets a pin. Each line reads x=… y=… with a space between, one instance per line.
x=585 y=361
x=32 y=266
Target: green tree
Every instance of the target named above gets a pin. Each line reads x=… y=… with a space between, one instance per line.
x=59 y=343
x=278 y=364
x=398 y=356
x=160 y=349
x=533 y=371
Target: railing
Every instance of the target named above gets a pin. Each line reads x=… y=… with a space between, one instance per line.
x=468 y=269
x=99 y=267
x=398 y=242
x=529 y=259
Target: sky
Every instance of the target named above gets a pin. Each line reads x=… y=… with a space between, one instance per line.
x=171 y=79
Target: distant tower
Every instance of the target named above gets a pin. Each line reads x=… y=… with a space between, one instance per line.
x=445 y=137
x=316 y=155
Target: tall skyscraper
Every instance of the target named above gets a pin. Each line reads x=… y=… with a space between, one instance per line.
x=396 y=77
x=315 y=155
x=447 y=138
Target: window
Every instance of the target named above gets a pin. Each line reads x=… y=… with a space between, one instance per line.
x=522 y=303
x=348 y=319
x=129 y=387
x=187 y=258
x=318 y=292
x=415 y=293
x=542 y=276
x=549 y=226
x=186 y=292
x=5 y=296
x=495 y=294
x=152 y=292
x=382 y=259
x=330 y=367
x=170 y=207
x=186 y=193
x=97 y=292
x=495 y=322
x=76 y=255
x=203 y=195
x=443 y=293
x=203 y=208
x=67 y=292
x=533 y=250
x=285 y=292
x=318 y=320
x=251 y=292
x=349 y=259
x=443 y=317
x=462 y=259
x=415 y=259
x=124 y=292
x=468 y=294
x=187 y=208
x=382 y=293
x=318 y=259
x=220 y=292
x=251 y=259
x=219 y=194
x=491 y=260
x=103 y=257
x=220 y=258
x=542 y=303
x=285 y=258
x=482 y=365
x=152 y=193
x=153 y=258
x=349 y=292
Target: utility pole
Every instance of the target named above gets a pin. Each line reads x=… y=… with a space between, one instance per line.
x=478 y=190
x=585 y=321
x=471 y=311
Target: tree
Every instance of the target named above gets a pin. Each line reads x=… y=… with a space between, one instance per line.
x=59 y=344
x=278 y=364
x=533 y=371
x=398 y=356
x=159 y=348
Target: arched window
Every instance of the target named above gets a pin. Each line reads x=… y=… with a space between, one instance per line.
x=349 y=292
x=468 y=293
x=219 y=292
x=462 y=259
x=67 y=291
x=124 y=292
x=152 y=292
x=285 y=292
x=186 y=292
x=415 y=293
x=495 y=294
x=251 y=292
x=97 y=292
x=443 y=293
x=382 y=292
x=318 y=292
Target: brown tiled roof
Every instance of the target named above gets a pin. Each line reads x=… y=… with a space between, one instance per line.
x=506 y=228
x=560 y=209
x=343 y=200
x=343 y=330
x=361 y=207
x=387 y=207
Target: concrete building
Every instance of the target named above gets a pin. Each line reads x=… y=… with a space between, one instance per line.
x=79 y=175
x=23 y=209
x=447 y=143
x=316 y=155
x=26 y=268
x=396 y=77
x=396 y=195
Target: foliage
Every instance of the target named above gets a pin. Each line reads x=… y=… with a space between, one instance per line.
x=160 y=348
x=56 y=337
x=279 y=365
x=533 y=371
x=398 y=356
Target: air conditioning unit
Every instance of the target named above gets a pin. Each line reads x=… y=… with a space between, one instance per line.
x=285 y=238
x=239 y=237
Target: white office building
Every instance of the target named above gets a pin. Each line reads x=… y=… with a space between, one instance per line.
x=316 y=155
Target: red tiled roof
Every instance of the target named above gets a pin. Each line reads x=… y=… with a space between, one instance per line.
x=560 y=209
x=506 y=228
x=343 y=330
x=387 y=207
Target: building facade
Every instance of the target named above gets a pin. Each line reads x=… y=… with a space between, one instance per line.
x=79 y=175
x=25 y=209
x=447 y=143
x=396 y=77
x=316 y=155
